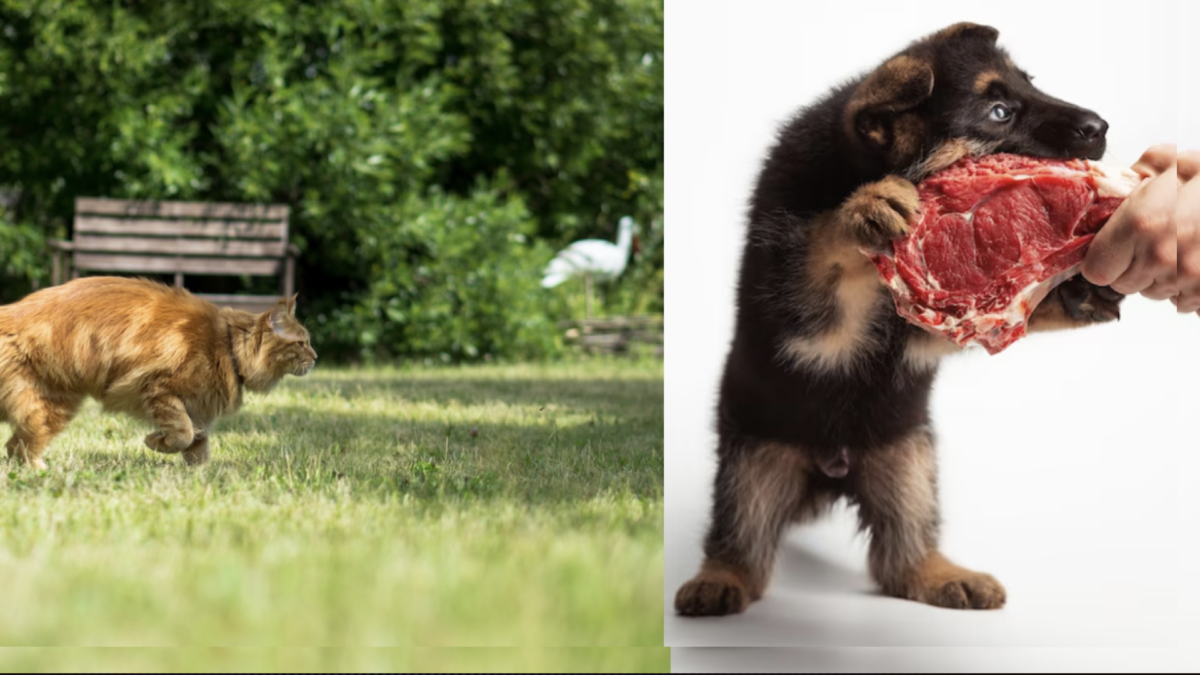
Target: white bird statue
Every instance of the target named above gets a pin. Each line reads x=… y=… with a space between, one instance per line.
x=592 y=259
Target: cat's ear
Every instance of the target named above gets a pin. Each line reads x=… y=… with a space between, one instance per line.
x=279 y=312
x=291 y=304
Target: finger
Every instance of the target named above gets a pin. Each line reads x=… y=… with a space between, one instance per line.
x=1139 y=223
x=1187 y=302
x=1188 y=306
x=1111 y=252
x=1187 y=237
x=1189 y=192
x=1188 y=164
x=1135 y=280
x=1161 y=290
x=1158 y=159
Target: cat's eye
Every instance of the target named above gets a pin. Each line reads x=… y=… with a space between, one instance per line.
x=1000 y=113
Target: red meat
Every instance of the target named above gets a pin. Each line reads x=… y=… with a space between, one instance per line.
x=995 y=235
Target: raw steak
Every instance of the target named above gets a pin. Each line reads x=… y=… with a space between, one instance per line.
x=996 y=234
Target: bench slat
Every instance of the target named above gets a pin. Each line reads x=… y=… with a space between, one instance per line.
x=250 y=303
x=215 y=229
x=210 y=247
x=98 y=262
x=121 y=207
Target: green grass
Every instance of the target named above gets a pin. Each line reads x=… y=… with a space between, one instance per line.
x=499 y=506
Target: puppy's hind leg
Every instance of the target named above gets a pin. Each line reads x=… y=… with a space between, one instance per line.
x=760 y=489
x=896 y=491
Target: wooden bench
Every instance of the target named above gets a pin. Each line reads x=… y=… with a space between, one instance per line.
x=180 y=238
x=615 y=334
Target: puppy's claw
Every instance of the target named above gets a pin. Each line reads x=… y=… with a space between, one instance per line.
x=880 y=212
x=1089 y=303
x=1112 y=313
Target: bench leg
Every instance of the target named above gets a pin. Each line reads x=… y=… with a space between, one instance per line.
x=179 y=280
x=289 y=276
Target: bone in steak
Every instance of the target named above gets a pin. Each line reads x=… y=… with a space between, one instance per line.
x=996 y=234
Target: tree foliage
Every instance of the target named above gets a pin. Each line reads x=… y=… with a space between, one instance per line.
x=434 y=153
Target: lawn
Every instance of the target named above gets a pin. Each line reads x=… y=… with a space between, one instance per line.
x=502 y=506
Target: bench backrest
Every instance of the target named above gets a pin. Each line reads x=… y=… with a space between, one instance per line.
x=180 y=237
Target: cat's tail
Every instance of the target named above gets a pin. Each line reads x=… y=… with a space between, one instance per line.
x=6 y=365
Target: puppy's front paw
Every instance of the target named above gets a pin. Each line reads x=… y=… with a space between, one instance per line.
x=879 y=212
x=1086 y=302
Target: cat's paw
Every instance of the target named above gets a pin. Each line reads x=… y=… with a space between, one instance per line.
x=36 y=464
x=159 y=441
x=197 y=454
x=155 y=442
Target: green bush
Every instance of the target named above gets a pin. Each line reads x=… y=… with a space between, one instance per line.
x=22 y=259
x=456 y=278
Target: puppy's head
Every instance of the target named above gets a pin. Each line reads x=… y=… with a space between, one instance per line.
x=956 y=92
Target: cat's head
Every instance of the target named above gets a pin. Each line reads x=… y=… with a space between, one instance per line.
x=285 y=342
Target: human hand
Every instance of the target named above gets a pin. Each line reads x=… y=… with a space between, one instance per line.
x=1187 y=232
x=1135 y=251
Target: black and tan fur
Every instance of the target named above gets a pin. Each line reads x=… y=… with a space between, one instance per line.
x=825 y=391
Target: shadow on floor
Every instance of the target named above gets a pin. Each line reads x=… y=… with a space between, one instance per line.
x=800 y=569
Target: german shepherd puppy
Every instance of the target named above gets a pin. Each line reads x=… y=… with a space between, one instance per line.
x=826 y=389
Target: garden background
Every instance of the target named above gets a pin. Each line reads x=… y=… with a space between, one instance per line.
x=435 y=154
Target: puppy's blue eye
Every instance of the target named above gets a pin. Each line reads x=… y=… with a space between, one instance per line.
x=1000 y=113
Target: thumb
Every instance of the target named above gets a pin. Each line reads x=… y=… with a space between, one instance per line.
x=1111 y=252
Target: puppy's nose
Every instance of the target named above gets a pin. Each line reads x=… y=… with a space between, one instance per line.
x=1092 y=128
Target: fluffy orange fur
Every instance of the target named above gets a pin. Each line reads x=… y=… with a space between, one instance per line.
x=141 y=348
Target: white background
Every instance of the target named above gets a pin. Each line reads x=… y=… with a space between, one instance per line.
x=1069 y=462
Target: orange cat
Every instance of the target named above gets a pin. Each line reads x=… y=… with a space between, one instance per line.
x=155 y=352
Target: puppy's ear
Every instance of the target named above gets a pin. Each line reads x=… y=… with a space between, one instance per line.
x=898 y=85
x=974 y=31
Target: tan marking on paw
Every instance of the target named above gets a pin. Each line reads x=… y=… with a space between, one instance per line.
x=941 y=583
